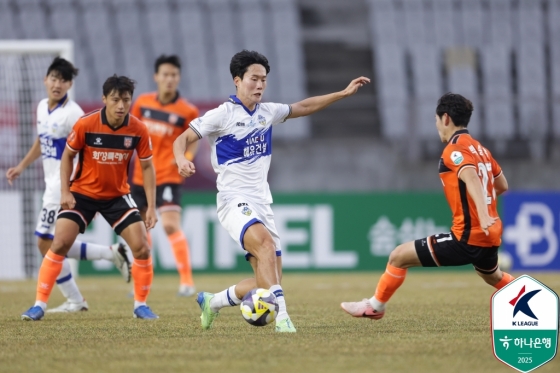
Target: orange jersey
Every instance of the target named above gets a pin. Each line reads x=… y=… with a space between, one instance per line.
x=165 y=123
x=463 y=152
x=105 y=154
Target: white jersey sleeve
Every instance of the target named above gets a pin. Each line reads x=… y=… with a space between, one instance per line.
x=280 y=112
x=211 y=123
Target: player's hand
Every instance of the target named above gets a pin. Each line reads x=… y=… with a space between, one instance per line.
x=13 y=173
x=186 y=167
x=67 y=201
x=151 y=218
x=355 y=85
x=486 y=222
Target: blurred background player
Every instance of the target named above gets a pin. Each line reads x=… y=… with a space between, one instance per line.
x=167 y=115
x=56 y=116
x=240 y=134
x=472 y=179
x=106 y=140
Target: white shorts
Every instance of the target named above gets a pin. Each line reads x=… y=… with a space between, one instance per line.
x=238 y=213
x=47 y=221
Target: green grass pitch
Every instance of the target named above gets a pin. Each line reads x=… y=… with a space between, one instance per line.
x=438 y=321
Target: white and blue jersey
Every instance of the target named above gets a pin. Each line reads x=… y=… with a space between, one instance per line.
x=241 y=142
x=53 y=126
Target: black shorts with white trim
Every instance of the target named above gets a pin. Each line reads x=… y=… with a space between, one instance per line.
x=168 y=197
x=444 y=250
x=119 y=212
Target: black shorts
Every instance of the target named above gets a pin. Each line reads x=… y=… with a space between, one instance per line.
x=168 y=197
x=119 y=212
x=445 y=250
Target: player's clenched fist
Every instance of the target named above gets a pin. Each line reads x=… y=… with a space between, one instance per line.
x=67 y=201
x=186 y=168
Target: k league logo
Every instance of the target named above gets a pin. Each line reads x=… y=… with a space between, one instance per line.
x=524 y=319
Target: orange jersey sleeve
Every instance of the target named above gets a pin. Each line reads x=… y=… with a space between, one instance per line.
x=76 y=139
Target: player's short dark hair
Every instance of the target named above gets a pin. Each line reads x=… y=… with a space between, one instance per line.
x=62 y=68
x=120 y=84
x=457 y=107
x=241 y=61
x=173 y=60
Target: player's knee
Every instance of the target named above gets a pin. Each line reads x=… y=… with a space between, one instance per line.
x=61 y=245
x=170 y=229
x=265 y=251
x=396 y=257
x=141 y=251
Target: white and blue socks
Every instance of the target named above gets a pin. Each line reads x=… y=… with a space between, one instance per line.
x=89 y=251
x=67 y=284
x=279 y=293
x=226 y=298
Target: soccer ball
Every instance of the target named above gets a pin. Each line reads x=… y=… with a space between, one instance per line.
x=505 y=261
x=259 y=307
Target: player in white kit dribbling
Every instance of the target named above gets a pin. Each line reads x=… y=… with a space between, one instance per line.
x=56 y=116
x=240 y=133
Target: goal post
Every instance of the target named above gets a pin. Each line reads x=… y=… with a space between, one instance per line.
x=23 y=64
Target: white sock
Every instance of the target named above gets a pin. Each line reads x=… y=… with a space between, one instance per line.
x=138 y=304
x=89 y=251
x=226 y=298
x=67 y=284
x=43 y=305
x=377 y=305
x=282 y=312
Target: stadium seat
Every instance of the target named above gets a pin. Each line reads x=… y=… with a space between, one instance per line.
x=472 y=17
x=501 y=22
x=99 y=33
x=554 y=34
x=224 y=42
x=462 y=78
x=427 y=82
x=8 y=28
x=392 y=90
x=288 y=62
x=499 y=123
x=65 y=25
x=445 y=29
x=129 y=26
x=382 y=18
x=32 y=16
x=197 y=69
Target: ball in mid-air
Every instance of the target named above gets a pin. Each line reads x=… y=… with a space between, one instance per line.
x=505 y=261
x=259 y=307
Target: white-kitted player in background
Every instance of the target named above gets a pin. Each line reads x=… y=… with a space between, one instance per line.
x=56 y=116
x=240 y=134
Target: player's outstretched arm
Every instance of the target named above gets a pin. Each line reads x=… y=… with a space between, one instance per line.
x=149 y=177
x=67 y=200
x=314 y=104
x=478 y=195
x=180 y=146
x=33 y=153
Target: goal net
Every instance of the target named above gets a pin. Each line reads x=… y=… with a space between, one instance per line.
x=23 y=65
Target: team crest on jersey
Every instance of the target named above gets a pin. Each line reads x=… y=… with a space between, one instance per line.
x=173 y=118
x=246 y=211
x=457 y=158
x=127 y=142
x=262 y=120
x=147 y=113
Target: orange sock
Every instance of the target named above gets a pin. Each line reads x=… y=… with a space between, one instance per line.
x=390 y=281
x=143 y=274
x=49 y=271
x=180 y=247
x=506 y=279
